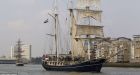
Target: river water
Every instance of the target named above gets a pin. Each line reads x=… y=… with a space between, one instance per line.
x=11 y=69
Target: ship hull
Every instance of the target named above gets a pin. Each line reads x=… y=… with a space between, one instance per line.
x=19 y=64
x=87 y=66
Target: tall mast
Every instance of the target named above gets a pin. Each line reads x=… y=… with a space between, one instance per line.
x=56 y=35
x=19 y=51
x=55 y=17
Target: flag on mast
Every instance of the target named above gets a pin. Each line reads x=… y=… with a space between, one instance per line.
x=46 y=21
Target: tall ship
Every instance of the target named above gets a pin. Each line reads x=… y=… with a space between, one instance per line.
x=19 y=59
x=85 y=32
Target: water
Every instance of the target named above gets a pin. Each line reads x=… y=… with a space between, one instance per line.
x=38 y=70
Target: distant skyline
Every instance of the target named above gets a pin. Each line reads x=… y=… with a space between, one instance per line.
x=24 y=19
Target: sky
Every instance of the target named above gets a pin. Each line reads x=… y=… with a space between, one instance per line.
x=24 y=19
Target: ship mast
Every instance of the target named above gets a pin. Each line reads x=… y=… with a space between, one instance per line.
x=54 y=15
x=19 y=52
x=89 y=11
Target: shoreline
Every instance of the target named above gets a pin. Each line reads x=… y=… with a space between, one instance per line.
x=133 y=65
x=129 y=65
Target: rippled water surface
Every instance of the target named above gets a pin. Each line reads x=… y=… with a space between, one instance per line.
x=39 y=70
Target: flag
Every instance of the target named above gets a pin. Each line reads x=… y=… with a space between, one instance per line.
x=46 y=21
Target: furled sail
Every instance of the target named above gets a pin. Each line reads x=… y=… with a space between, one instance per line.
x=91 y=3
x=89 y=30
x=95 y=14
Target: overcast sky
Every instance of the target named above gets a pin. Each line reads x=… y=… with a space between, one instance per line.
x=24 y=19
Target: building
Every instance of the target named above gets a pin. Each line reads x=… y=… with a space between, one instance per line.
x=26 y=52
x=120 y=50
x=103 y=49
x=12 y=53
x=135 y=49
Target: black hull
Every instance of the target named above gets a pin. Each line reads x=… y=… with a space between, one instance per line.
x=88 y=66
x=19 y=64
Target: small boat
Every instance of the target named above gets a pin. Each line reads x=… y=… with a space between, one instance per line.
x=19 y=64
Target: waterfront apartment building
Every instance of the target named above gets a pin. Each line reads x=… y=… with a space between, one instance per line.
x=121 y=49
x=123 y=45
x=103 y=49
x=115 y=49
x=26 y=52
x=136 y=49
